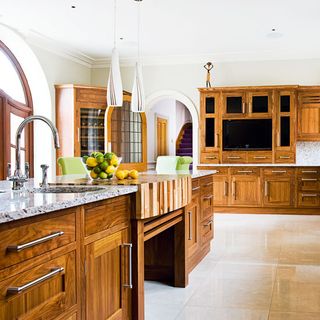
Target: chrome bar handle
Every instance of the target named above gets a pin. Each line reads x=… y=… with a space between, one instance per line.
x=225 y=193
x=234 y=190
x=20 y=247
x=279 y=171
x=266 y=188
x=195 y=188
x=129 y=245
x=211 y=157
x=52 y=273
x=311 y=179
x=284 y=157
x=209 y=224
x=245 y=171
x=208 y=184
x=234 y=157
x=260 y=157
x=309 y=171
x=306 y=195
x=190 y=225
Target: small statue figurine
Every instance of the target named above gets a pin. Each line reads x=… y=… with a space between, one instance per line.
x=208 y=66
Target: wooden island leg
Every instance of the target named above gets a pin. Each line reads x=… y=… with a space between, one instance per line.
x=138 y=269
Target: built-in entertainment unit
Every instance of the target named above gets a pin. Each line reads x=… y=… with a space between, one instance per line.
x=255 y=134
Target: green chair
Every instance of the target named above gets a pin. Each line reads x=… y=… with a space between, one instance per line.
x=184 y=163
x=72 y=165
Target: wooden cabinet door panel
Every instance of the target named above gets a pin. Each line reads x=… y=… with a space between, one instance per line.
x=37 y=300
x=107 y=268
x=245 y=190
x=192 y=226
x=278 y=192
x=220 y=190
x=309 y=183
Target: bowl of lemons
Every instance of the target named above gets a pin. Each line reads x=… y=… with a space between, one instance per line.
x=102 y=166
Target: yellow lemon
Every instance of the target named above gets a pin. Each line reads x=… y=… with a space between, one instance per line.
x=134 y=174
x=126 y=173
x=91 y=162
x=120 y=174
x=93 y=175
x=114 y=161
x=110 y=169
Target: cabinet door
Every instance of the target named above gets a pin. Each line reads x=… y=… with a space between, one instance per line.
x=220 y=190
x=192 y=226
x=234 y=103
x=108 y=277
x=259 y=103
x=278 y=192
x=309 y=116
x=45 y=291
x=245 y=190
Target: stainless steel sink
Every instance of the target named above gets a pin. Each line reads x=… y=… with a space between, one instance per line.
x=66 y=189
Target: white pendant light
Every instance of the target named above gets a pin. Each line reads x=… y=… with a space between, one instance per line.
x=114 y=88
x=138 y=98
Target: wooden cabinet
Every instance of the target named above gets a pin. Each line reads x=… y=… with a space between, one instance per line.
x=245 y=190
x=220 y=190
x=278 y=187
x=308 y=185
x=309 y=114
x=108 y=277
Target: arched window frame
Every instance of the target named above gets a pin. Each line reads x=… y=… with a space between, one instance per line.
x=9 y=105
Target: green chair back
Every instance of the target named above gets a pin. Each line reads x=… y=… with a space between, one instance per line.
x=72 y=165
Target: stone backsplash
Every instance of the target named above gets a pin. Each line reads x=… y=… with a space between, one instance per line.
x=308 y=153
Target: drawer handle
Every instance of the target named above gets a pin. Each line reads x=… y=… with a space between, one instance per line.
x=209 y=223
x=234 y=157
x=195 y=189
x=260 y=157
x=211 y=157
x=311 y=179
x=279 y=171
x=245 y=171
x=309 y=171
x=190 y=225
x=233 y=190
x=33 y=243
x=225 y=193
x=129 y=245
x=208 y=198
x=284 y=157
x=52 y=273
x=266 y=189
x=309 y=195
x=208 y=184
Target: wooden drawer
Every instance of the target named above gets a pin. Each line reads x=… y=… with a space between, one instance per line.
x=91 y=95
x=279 y=171
x=285 y=157
x=195 y=187
x=308 y=171
x=308 y=199
x=43 y=292
x=206 y=184
x=244 y=171
x=106 y=214
x=234 y=157
x=221 y=171
x=259 y=157
x=19 y=243
x=206 y=206
x=207 y=230
x=310 y=183
x=209 y=157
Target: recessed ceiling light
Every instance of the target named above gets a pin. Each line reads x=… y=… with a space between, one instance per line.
x=73 y=7
x=274 y=34
x=121 y=38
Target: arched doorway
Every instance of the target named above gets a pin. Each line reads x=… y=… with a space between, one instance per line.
x=179 y=98
x=15 y=105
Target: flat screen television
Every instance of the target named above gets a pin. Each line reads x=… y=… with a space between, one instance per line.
x=247 y=134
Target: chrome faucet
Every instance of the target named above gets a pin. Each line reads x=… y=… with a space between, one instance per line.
x=18 y=179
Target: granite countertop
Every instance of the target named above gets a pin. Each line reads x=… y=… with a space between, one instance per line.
x=15 y=205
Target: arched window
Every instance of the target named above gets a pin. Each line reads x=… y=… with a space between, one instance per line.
x=15 y=105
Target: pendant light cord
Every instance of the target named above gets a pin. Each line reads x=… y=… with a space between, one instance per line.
x=139 y=30
x=115 y=24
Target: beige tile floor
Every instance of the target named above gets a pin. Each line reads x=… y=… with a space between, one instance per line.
x=261 y=267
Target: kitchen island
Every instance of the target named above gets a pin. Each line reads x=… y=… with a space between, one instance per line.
x=84 y=253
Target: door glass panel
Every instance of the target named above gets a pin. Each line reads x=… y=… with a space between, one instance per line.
x=210 y=132
x=285 y=104
x=210 y=105
x=126 y=134
x=259 y=104
x=234 y=104
x=91 y=130
x=10 y=81
x=14 y=124
x=285 y=131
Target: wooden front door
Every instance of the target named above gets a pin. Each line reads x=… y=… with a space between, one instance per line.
x=162 y=129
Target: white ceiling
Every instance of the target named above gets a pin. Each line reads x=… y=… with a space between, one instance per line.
x=172 y=28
